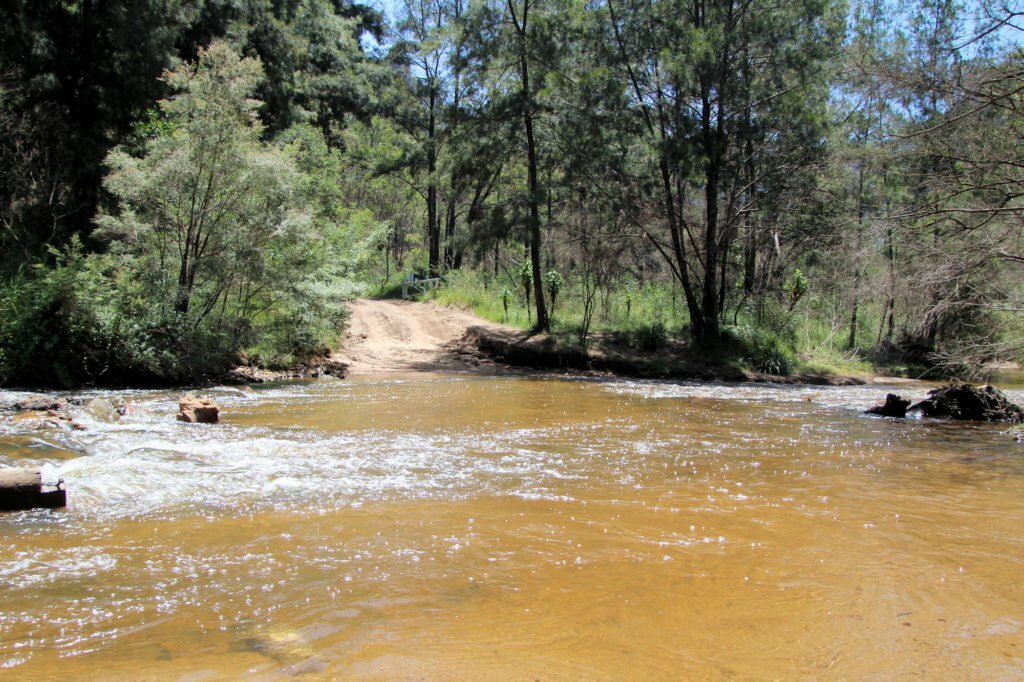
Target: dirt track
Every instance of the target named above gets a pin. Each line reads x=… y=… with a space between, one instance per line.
x=403 y=336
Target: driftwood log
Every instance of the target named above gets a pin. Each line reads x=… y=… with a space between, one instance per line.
x=22 y=488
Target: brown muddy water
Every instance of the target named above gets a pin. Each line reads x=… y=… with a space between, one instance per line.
x=435 y=527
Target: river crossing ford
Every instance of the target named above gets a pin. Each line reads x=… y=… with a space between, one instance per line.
x=431 y=526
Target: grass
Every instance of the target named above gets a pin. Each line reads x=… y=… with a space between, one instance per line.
x=621 y=310
x=653 y=316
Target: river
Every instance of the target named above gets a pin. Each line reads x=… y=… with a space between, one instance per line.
x=457 y=527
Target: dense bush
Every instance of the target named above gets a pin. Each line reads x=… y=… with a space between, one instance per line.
x=211 y=254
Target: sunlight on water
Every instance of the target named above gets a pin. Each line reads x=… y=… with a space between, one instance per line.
x=453 y=527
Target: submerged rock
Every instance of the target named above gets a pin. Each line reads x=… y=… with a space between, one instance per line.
x=195 y=410
x=894 y=406
x=102 y=409
x=56 y=419
x=286 y=647
x=964 y=401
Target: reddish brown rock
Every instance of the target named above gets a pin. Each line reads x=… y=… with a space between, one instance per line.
x=40 y=403
x=55 y=419
x=195 y=410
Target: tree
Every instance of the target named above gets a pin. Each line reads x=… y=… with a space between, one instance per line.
x=424 y=48
x=74 y=77
x=868 y=108
x=968 y=216
x=709 y=83
x=206 y=212
x=314 y=64
x=515 y=47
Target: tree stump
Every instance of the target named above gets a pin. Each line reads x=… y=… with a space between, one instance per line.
x=964 y=401
x=894 y=406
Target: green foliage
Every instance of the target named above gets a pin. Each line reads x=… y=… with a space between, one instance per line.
x=156 y=124
x=761 y=350
x=236 y=215
x=48 y=329
x=629 y=290
x=213 y=256
x=76 y=76
x=526 y=276
x=795 y=288
x=505 y=296
x=554 y=281
x=526 y=282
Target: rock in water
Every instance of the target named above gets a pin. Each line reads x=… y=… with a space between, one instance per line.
x=195 y=410
x=40 y=403
x=964 y=401
x=102 y=409
x=333 y=368
x=894 y=406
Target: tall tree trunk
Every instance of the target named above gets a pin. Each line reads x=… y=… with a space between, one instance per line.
x=449 y=234
x=852 y=343
x=680 y=268
x=728 y=237
x=184 y=295
x=453 y=256
x=713 y=170
x=538 y=288
x=521 y=26
x=862 y=211
x=750 y=223
x=433 y=225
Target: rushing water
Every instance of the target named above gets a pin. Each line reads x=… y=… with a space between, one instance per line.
x=428 y=527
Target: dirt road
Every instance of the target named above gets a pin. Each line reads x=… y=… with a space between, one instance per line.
x=403 y=336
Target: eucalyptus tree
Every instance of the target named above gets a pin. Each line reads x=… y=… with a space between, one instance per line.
x=867 y=103
x=513 y=48
x=426 y=46
x=74 y=77
x=933 y=57
x=315 y=66
x=704 y=77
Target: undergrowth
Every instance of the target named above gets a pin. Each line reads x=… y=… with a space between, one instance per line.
x=651 y=317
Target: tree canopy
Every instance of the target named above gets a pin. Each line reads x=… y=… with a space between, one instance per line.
x=817 y=179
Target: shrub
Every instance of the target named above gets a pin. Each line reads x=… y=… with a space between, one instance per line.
x=761 y=350
x=650 y=337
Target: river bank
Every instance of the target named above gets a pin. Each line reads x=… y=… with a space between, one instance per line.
x=387 y=336
x=391 y=335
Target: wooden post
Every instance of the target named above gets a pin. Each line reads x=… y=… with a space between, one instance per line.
x=22 y=488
